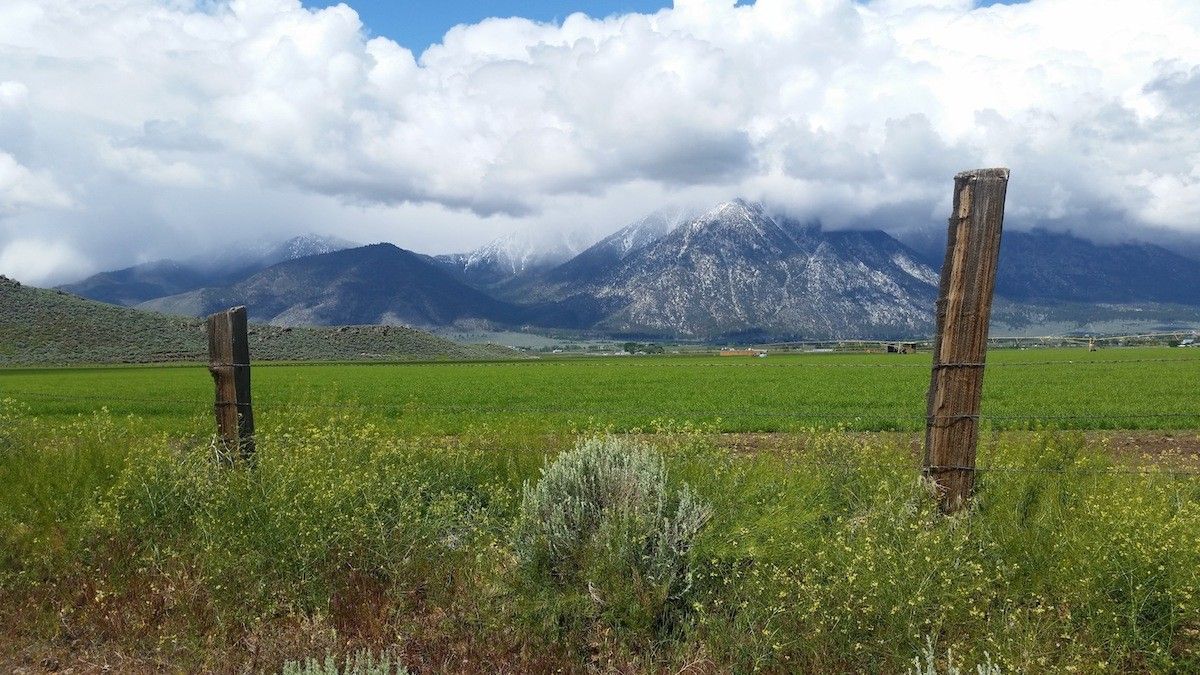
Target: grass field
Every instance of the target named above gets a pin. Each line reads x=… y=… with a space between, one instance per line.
x=436 y=514
x=1136 y=388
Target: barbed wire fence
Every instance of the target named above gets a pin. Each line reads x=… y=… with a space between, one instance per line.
x=618 y=365
x=902 y=421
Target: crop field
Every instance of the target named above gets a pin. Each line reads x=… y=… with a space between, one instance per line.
x=496 y=517
x=1135 y=388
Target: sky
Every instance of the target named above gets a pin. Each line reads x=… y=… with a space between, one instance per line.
x=132 y=130
x=419 y=24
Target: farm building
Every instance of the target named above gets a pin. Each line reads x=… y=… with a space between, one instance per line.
x=902 y=348
x=742 y=352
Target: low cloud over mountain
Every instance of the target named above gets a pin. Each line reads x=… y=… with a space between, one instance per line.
x=132 y=130
x=732 y=272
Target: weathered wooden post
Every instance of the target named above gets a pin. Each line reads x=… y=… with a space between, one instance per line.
x=964 y=308
x=229 y=363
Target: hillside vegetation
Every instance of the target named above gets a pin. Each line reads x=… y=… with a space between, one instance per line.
x=40 y=326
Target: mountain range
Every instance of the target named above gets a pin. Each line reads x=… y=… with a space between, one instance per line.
x=732 y=272
x=376 y=284
x=735 y=271
x=133 y=285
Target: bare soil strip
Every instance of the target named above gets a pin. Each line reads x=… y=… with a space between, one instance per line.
x=1178 y=449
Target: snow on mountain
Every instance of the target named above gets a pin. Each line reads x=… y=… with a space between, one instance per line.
x=737 y=270
x=917 y=269
x=616 y=247
x=641 y=233
x=515 y=254
x=302 y=246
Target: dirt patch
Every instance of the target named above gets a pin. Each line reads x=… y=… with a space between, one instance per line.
x=1175 y=449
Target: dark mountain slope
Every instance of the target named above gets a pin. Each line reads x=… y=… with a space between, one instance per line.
x=1058 y=267
x=380 y=283
x=147 y=281
x=137 y=284
x=1052 y=267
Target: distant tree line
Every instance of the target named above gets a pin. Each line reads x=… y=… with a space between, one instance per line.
x=648 y=348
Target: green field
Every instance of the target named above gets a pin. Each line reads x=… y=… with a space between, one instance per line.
x=1134 y=388
x=437 y=514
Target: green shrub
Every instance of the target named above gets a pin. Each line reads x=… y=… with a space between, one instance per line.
x=926 y=663
x=604 y=523
x=362 y=663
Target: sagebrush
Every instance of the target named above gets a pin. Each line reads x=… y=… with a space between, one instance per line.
x=604 y=523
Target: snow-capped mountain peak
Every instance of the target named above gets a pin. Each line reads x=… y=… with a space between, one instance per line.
x=305 y=245
x=647 y=230
x=515 y=254
x=736 y=269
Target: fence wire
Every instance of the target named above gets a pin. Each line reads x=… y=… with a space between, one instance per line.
x=415 y=406
x=796 y=415
x=1146 y=471
x=752 y=362
x=817 y=361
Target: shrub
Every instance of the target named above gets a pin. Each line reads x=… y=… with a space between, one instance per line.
x=603 y=522
x=362 y=663
x=926 y=663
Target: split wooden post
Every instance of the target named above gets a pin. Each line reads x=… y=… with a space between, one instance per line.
x=964 y=308
x=229 y=363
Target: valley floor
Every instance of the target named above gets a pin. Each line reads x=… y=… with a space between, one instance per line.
x=1070 y=388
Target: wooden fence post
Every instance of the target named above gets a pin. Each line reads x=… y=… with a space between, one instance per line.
x=229 y=363
x=964 y=308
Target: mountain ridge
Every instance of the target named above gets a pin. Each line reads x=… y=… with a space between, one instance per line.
x=512 y=256
x=735 y=270
x=374 y=284
x=136 y=284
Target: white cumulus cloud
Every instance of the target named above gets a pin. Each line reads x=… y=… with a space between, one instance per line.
x=21 y=188
x=177 y=123
x=37 y=261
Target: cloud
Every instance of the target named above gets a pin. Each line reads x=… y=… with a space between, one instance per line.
x=175 y=123
x=22 y=189
x=37 y=261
